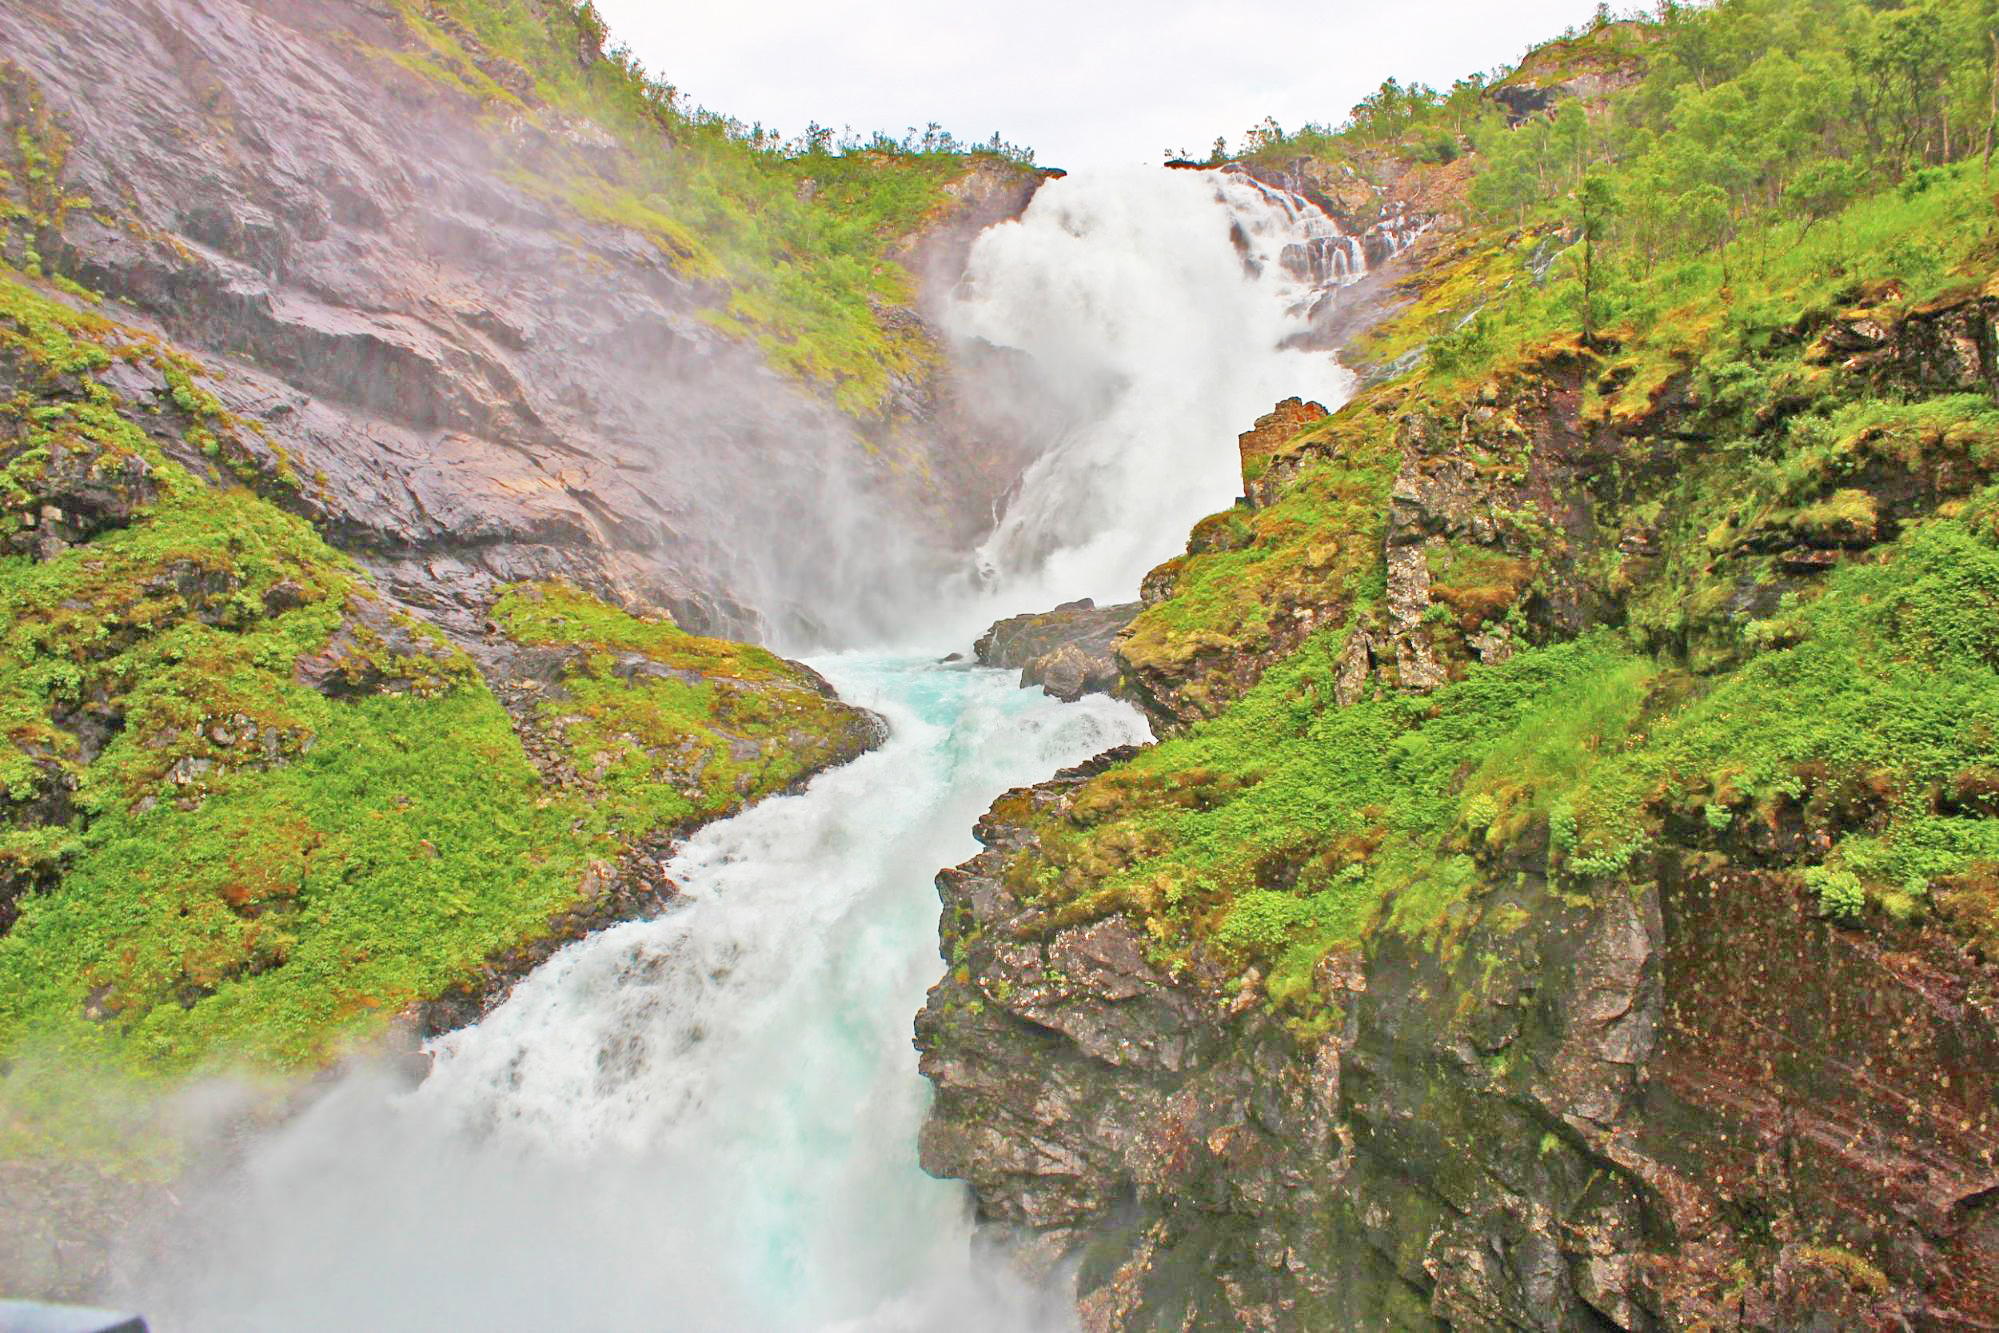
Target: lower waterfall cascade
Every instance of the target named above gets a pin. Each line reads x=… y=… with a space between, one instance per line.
x=708 y=1119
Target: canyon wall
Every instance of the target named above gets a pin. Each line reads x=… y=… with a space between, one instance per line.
x=465 y=357
x=1487 y=945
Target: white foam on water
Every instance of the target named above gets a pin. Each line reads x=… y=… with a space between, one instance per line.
x=1155 y=310
x=709 y=1120
x=703 y=1121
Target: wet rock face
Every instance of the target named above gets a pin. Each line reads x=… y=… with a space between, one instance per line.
x=468 y=382
x=1819 y=1094
x=1273 y=428
x=1524 y=99
x=1067 y=651
x=1947 y=346
x=1586 y=1117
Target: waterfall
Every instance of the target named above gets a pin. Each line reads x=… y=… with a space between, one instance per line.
x=1153 y=309
x=708 y=1120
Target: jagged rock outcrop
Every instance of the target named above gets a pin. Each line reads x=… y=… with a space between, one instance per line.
x=1610 y=58
x=1067 y=651
x=1587 y=1128
x=457 y=370
x=1255 y=446
x=1383 y=217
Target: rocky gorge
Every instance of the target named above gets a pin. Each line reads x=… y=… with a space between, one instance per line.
x=1562 y=891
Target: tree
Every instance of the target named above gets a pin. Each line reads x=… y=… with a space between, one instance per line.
x=1691 y=40
x=1992 y=112
x=1706 y=221
x=1820 y=189
x=1597 y=202
x=1266 y=134
x=1905 y=57
x=1568 y=139
x=1507 y=183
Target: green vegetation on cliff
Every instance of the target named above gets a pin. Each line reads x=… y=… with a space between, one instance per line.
x=204 y=852
x=800 y=237
x=1678 y=540
x=1726 y=164
x=1288 y=818
x=248 y=811
x=665 y=729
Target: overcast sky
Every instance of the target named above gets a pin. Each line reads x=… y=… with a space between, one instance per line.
x=1082 y=82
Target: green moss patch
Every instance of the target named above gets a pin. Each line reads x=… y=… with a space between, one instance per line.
x=299 y=905
x=1288 y=826
x=666 y=728
x=1306 y=558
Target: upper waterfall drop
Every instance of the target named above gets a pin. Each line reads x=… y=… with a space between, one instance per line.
x=1157 y=313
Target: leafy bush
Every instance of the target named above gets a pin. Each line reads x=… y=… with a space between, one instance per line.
x=1262 y=922
x=1839 y=892
x=1480 y=812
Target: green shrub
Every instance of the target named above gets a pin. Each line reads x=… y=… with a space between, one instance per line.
x=1262 y=922
x=1562 y=826
x=1839 y=892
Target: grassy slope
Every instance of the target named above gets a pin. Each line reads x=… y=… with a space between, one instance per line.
x=1862 y=710
x=723 y=723
x=247 y=812
x=219 y=858
x=797 y=240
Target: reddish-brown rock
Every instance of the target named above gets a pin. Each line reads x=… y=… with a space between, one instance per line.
x=1270 y=432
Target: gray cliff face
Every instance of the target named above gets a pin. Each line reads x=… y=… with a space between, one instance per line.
x=1204 y=1169
x=468 y=383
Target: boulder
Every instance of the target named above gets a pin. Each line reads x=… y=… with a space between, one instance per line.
x=1066 y=651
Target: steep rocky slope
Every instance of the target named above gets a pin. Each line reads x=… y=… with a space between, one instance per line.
x=1433 y=1054
x=477 y=340
x=251 y=811
x=1565 y=898
x=250 y=806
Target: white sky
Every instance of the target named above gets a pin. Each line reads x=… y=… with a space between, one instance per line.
x=1082 y=82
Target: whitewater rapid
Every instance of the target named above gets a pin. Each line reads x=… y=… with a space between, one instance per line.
x=708 y=1120
x=705 y=1121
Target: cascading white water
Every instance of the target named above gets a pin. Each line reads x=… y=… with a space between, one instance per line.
x=705 y=1121
x=708 y=1120
x=1155 y=309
